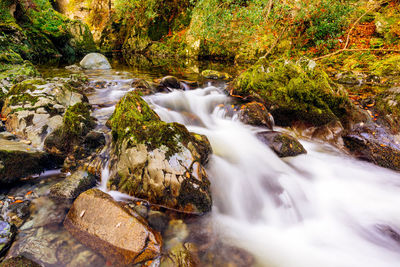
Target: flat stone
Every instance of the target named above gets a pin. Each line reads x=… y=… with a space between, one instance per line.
x=102 y=224
x=73 y=185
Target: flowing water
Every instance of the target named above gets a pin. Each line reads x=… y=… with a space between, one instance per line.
x=319 y=209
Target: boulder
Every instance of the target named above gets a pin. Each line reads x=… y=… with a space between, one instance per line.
x=72 y=186
x=95 y=61
x=143 y=87
x=19 y=160
x=158 y=161
x=256 y=114
x=170 y=82
x=35 y=108
x=19 y=261
x=348 y=78
x=117 y=233
x=373 y=144
x=282 y=144
x=213 y=74
x=293 y=92
x=7 y=234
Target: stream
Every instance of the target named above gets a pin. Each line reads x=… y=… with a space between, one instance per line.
x=323 y=208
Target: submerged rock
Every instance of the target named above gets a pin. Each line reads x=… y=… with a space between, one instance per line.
x=282 y=144
x=95 y=61
x=158 y=161
x=170 y=82
x=18 y=160
x=7 y=233
x=256 y=114
x=181 y=255
x=19 y=261
x=118 y=234
x=73 y=185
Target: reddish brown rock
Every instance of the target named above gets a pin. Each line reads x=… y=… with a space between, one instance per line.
x=102 y=224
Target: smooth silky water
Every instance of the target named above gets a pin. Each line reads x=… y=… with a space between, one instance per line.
x=319 y=209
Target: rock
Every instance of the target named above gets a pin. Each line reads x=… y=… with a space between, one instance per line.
x=181 y=255
x=102 y=224
x=227 y=256
x=388 y=66
x=143 y=87
x=81 y=37
x=19 y=160
x=18 y=212
x=157 y=221
x=54 y=247
x=282 y=144
x=373 y=144
x=94 y=140
x=293 y=92
x=157 y=161
x=95 y=61
x=19 y=261
x=74 y=67
x=170 y=82
x=256 y=114
x=7 y=233
x=348 y=78
x=34 y=108
x=213 y=74
x=76 y=124
x=73 y=185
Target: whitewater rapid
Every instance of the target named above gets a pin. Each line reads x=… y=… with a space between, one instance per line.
x=319 y=209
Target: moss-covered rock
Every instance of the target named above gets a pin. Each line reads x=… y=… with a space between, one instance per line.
x=77 y=122
x=292 y=91
x=254 y=113
x=19 y=261
x=158 y=161
x=213 y=74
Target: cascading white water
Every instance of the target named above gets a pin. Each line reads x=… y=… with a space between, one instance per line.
x=320 y=209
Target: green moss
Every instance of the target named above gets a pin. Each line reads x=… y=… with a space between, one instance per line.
x=293 y=91
x=25 y=86
x=77 y=121
x=133 y=119
x=387 y=66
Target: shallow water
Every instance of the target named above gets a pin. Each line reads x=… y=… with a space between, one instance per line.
x=319 y=209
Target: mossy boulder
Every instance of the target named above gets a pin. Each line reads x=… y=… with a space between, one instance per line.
x=72 y=186
x=387 y=105
x=77 y=123
x=213 y=74
x=34 y=108
x=81 y=37
x=293 y=91
x=158 y=161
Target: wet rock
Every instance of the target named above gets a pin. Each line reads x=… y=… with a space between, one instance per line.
x=157 y=161
x=213 y=74
x=18 y=211
x=181 y=255
x=19 y=261
x=18 y=160
x=54 y=247
x=73 y=185
x=94 y=139
x=374 y=144
x=282 y=144
x=256 y=114
x=95 y=61
x=7 y=233
x=102 y=224
x=170 y=82
x=157 y=221
x=176 y=233
x=143 y=87
x=227 y=256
